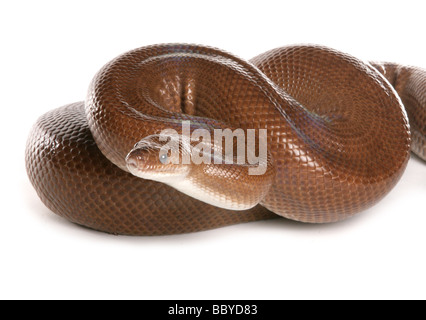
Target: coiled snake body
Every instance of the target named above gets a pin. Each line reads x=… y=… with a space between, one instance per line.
x=338 y=138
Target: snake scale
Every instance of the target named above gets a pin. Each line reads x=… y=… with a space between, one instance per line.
x=339 y=135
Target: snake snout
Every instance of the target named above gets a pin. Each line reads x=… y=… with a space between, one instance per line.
x=135 y=160
x=131 y=162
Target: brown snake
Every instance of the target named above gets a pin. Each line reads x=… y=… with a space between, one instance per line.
x=338 y=138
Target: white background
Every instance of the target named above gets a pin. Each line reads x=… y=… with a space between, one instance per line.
x=49 y=52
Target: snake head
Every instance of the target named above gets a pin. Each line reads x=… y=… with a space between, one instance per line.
x=222 y=184
x=152 y=159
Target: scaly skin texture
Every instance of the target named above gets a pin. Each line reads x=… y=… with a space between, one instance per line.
x=337 y=133
x=410 y=84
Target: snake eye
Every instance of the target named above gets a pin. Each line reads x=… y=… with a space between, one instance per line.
x=164 y=159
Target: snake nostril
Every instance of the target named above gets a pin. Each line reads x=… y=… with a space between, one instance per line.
x=131 y=162
x=135 y=158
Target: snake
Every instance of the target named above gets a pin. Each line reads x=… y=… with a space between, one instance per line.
x=338 y=136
